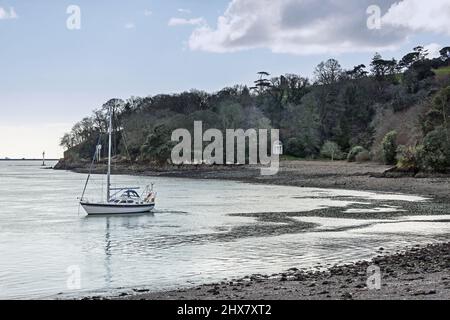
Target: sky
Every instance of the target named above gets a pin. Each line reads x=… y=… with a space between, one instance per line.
x=56 y=65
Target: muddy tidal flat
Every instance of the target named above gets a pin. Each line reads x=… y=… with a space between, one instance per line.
x=415 y=272
x=418 y=273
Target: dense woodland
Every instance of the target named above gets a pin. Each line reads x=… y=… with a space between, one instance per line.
x=392 y=111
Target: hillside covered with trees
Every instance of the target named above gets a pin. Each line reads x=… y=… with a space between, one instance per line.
x=392 y=111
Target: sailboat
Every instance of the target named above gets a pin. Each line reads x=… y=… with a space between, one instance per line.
x=124 y=200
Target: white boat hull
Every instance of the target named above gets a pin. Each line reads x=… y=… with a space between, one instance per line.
x=105 y=209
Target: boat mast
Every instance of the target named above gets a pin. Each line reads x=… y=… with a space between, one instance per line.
x=108 y=190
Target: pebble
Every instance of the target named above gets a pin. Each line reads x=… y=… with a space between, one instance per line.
x=347 y=295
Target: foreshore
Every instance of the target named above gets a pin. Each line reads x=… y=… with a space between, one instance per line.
x=417 y=273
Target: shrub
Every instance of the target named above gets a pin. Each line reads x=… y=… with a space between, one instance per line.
x=354 y=152
x=363 y=156
x=435 y=154
x=408 y=158
x=295 y=147
x=157 y=146
x=389 y=148
x=331 y=150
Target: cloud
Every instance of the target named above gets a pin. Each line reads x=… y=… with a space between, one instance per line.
x=419 y=15
x=433 y=50
x=186 y=11
x=147 y=12
x=130 y=25
x=11 y=14
x=173 y=22
x=308 y=26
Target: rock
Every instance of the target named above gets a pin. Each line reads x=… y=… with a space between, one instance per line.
x=347 y=296
x=299 y=277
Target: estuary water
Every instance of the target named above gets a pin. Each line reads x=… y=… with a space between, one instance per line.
x=201 y=231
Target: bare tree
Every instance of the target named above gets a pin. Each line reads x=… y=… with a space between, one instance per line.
x=328 y=72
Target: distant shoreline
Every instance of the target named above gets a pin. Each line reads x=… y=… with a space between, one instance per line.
x=368 y=176
x=29 y=159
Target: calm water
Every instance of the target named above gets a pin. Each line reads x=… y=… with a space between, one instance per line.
x=193 y=236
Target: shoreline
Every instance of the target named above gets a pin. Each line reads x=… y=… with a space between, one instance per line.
x=367 y=176
x=417 y=273
x=420 y=272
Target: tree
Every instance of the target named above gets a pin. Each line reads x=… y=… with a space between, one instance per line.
x=435 y=154
x=158 y=145
x=418 y=54
x=100 y=120
x=354 y=113
x=231 y=115
x=408 y=158
x=354 y=152
x=389 y=146
x=442 y=105
x=262 y=83
x=296 y=87
x=331 y=150
x=66 y=141
x=439 y=113
x=358 y=72
x=301 y=129
x=381 y=68
x=445 y=54
x=339 y=106
x=295 y=147
x=328 y=72
x=422 y=52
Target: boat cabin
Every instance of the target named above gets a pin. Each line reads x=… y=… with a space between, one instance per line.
x=127 y=197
